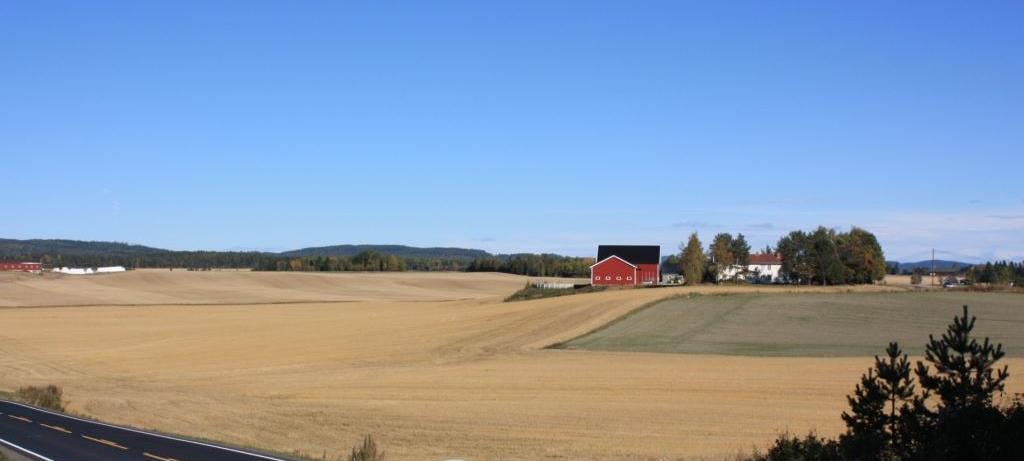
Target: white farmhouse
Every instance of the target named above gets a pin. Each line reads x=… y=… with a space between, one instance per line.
x=761 y=268
x=764 y=268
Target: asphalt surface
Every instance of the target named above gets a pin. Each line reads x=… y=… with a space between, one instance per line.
x=48 y=436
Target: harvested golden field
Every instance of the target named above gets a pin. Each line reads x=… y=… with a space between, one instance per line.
x=162 y=286
x=463 y=377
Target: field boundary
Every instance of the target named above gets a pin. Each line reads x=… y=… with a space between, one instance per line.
x=560 y=345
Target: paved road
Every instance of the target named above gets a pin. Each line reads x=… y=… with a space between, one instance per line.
x=49 y=436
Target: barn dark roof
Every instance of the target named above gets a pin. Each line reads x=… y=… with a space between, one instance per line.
x=635 y=254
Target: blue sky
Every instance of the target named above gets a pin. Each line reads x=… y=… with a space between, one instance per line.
x=519 y=126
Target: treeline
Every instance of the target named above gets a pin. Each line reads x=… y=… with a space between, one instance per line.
x=542 y=265
x=369 y=261
x=198 y=260
x=1003 y=273
x=76 y=253
x=823 y=256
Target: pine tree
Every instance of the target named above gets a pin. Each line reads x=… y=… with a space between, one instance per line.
x=879 y=407
x=965 y=373
x=866 y=420
x=740 y=250
x=898 y=386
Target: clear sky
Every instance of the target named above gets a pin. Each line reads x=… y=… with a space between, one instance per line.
x=513 y=126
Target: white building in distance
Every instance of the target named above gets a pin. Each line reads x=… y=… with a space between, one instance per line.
x=761 y=268
x=88 y=270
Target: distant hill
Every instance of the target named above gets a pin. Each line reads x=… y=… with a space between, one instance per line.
x=940 y=266
x=76 y=253
x=12 y=247
x=401 y=251
x=79 y=252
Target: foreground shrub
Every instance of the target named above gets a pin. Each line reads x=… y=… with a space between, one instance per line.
x=367 y=452
x=46 y=397
x=809 y=448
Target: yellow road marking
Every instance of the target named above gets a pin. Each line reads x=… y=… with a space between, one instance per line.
x=105 y=442
x=56 y=428
x=21 y=418
x=157 y=458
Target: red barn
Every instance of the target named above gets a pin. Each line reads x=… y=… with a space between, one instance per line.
x=626 y=265
x=20 y=267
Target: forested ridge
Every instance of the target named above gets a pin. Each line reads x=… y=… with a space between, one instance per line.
x=76 y=253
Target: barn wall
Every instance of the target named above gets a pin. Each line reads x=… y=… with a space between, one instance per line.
x=613 y=271
x=647 y=273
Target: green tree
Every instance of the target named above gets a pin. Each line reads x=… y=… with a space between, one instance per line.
x=963 y=371
x=796 y=260
x=916 y=277
x=861 y=256
x=693 y=260
x=962 y=374
x=866 y=420
x=827 y=267
x=721 y=256
x=740 y=250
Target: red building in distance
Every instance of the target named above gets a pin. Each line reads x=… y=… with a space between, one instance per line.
x=6 y=266
x=626 y=265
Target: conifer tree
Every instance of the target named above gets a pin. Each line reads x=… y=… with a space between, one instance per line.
x=964 y=370
x=881 y=404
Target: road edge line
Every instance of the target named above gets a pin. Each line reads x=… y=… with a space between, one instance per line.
x=25 y=450
x=137 y=431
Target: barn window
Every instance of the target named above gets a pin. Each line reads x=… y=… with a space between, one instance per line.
x=619 y=277
x=629 y=277
x=607 y=277
x=597 y=277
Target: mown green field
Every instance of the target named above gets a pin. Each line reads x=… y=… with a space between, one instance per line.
x=807 y=325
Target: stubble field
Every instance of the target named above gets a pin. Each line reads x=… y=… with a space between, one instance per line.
x=447 y=371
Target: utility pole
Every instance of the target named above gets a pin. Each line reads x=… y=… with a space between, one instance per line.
x=933 y=266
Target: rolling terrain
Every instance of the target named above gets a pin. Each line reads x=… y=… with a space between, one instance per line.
x=436 y=368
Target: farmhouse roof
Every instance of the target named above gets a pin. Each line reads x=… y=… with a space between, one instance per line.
x=634 y=254
x=765 y=258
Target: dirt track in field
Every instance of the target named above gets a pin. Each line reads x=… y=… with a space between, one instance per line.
x=433 y=378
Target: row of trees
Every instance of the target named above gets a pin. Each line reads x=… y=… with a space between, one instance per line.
x=827 y=257
x=542 y=265
x=724 y=252
x=997 y=273
x=947 y=413
x=185 y=259
x=823 y=256
x=371 y=261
